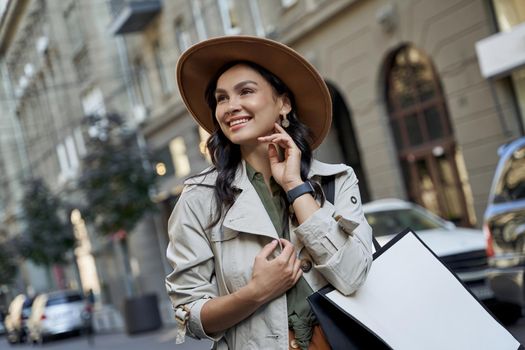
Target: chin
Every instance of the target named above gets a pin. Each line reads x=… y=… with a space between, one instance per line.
x=242 y=138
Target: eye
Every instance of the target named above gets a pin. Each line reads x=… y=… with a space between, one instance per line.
x=220 y=98
x=246 y=91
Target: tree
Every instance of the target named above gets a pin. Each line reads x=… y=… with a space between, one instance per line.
x=116 y=182
x=7 y=264
x=47 y=238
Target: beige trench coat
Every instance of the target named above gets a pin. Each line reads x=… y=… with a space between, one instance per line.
x=216 y=261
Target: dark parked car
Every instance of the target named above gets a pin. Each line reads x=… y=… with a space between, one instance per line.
x=504 y=226
x=2 y=327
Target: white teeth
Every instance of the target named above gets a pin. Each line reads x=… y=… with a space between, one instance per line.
x=238 y=121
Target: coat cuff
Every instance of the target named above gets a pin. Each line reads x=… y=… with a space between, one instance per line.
x=194 y=325
x=335 y=232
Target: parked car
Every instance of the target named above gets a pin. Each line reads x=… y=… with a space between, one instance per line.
x=16 y=319
x=58 y=313
x=461 y=249
x=504 y=226
x=2 y=327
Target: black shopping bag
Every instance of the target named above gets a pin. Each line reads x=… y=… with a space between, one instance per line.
x=410 y=300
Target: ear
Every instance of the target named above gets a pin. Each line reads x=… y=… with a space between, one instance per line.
x=286 y=105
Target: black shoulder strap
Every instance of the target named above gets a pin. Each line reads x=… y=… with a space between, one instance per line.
x=328 y=184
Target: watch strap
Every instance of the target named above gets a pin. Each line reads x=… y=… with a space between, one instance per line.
x=296 y=192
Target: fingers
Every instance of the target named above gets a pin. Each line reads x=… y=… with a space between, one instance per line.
x=297 y=270
x=273 y=155
x=280 y=128
x=288 y=251
x=280 y=132
x=267 y=249
x=293 y=260
x=281 y=139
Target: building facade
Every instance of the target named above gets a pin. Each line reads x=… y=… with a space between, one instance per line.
x=413 y=115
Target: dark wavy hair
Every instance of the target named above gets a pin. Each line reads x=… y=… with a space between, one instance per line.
x=226 y=155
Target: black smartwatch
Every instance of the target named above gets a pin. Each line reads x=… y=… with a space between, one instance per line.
x=294 y=193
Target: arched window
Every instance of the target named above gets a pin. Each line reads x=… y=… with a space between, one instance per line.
x=433 y=168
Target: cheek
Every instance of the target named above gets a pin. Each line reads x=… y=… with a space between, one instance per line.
x=219 y=113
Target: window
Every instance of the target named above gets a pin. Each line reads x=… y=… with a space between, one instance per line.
x=165 y=82
x=79 y=142
x=196 y=8
x=511 y=185
x=142 y=83
x=179 y=157
x=93 y=102
x=430 y=160
x=72 y=153
x=203 y=137
x=509 y=13
x=62 y=159
x=74 y=31
x=67 y=159
x=182 y=35
x=390 y=221
x=416 y=103
x=229 y=17
x=257 y=19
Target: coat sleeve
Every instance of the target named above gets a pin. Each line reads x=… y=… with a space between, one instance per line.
x=192 y=282
x=338 y=237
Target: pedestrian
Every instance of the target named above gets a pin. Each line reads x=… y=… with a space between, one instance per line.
x=252 y=236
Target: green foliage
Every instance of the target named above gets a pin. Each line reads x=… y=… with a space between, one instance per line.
x=47 y=238
x=7 y=264
x=115 y=181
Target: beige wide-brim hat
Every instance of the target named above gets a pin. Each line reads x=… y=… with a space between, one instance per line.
x=201 y=62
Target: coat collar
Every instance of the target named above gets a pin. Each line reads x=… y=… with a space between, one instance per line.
x=247 y=214
x=241 y=181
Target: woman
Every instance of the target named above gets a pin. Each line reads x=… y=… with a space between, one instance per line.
x=252 y=237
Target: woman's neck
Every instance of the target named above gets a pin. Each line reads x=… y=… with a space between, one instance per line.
x=257 y=157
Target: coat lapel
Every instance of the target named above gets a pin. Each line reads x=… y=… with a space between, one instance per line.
x=247 y=213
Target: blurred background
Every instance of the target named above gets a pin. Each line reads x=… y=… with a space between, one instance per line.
x=95 y=142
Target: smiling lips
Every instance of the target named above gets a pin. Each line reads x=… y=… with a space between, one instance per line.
x=238 y=121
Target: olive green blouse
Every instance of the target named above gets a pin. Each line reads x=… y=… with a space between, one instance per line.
x=300 y=316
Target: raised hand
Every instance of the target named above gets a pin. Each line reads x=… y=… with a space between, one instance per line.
x=286 y=172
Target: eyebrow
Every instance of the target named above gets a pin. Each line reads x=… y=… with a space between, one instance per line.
x=238 y=85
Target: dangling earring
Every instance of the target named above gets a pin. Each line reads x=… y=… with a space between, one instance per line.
x=285 y=122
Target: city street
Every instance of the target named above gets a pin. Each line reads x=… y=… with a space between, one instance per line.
x=159 y=340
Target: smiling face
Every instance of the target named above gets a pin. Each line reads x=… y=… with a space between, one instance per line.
x=247 y=105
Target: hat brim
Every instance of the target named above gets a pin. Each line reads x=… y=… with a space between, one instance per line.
x=199 y=64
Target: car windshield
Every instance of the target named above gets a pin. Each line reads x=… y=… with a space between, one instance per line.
x=63 y=299
x=390 y=222
x=26 y=307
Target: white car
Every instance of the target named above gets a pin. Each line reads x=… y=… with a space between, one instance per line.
x=58 y=313
x=461 y=249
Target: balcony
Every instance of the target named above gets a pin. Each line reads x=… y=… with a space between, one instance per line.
x=132 y=16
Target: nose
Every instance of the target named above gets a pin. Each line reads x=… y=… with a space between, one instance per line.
x=233 y=106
